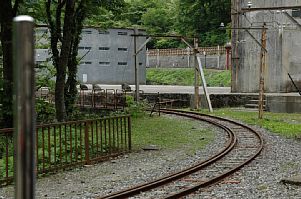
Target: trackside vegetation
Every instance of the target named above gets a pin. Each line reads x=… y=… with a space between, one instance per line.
x=287 y=125
x=185 y=77
x=170 y=133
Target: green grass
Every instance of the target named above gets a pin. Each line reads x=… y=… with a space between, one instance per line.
x=287 y=125
x=185 y=77
x=169 y=133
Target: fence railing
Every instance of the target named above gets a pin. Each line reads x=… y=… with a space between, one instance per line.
x=216 y=50
x=68 y=144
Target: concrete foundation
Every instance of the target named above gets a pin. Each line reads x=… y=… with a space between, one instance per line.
x=284 y=104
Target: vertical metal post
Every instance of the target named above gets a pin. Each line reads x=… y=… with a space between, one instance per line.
x=147 y=58
x=218 y=57
x=261 y=71
x=235 y=5
x=136 y=65
x=196 y=76
x=188 y=56
x=24 y=100
x=158 y=58
x=130 y=132
x=87 y=152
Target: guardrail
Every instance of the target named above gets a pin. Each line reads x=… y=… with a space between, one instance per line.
x=68 y=144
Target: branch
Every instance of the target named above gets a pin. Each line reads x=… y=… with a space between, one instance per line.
x=84 y=55
x=58 y=19
x=48 y=14
x=16 y=7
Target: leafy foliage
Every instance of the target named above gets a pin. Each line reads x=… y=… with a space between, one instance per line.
x=185 y=77
x=135 y=109
x=45 y=111
x=284 y=124
x=202 y=18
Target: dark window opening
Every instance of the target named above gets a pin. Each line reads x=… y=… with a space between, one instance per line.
x=103 y=32
x=104 y=63
x=122 y=33
x=296 y=13
x=87 y=31
x=122 y=49
x=86 y=62
x=140 y=64
x=104 y=48
x=84 y=48
x=122 y=63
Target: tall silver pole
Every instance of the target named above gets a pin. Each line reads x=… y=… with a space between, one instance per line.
x=136 y=65
x=24 y=116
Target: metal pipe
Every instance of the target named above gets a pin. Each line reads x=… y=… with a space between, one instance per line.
x=24 y=99
x=137 y=78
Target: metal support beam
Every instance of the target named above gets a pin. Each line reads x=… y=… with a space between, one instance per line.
x=260 y=44
x=204 y=83
x=293 y=19
x=143 y=45
x=136 y=66
x=24 y=113
x=244 y=10
x=187 y=43
x=196 y=76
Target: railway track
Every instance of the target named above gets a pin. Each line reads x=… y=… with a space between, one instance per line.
x=242 y=146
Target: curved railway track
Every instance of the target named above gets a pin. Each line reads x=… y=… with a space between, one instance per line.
x=242 y=146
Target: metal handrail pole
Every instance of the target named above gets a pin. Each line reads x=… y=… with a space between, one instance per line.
x=24 y=115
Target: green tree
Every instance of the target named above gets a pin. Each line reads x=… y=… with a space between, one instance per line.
x=8 y=10
x=202 y=18
x=66 y=20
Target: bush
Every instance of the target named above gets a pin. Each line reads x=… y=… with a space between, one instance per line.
x=45 y=111
x=135 y=109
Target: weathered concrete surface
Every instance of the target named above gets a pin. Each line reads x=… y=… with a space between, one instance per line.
x=284 y=104
x=186 y=61
x=283 y=45
x=106 y=56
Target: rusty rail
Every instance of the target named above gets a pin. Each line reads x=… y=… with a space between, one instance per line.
x=65 y=145
x=235 y=133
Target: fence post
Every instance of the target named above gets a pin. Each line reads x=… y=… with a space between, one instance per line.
x=158 y=58
x=218 y=57
x=130 y=132
x=24 y=103
x=87 y=154
x=188 y=56
x=147 y=58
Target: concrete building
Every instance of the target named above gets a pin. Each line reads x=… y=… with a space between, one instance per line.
x=106 y=56
x=283 y=46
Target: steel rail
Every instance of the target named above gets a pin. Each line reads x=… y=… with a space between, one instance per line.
x=201 y=165
x=225 y=174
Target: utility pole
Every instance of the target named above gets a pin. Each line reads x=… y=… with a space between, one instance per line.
x=235 y=61
x=136 y=65
x=196 y=76
x=261 y=71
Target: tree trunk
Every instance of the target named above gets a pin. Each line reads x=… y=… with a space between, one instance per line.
x=6 y=16
x=70 y=88
x=60 y=59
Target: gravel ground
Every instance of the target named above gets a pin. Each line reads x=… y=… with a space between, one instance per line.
x=261 y=179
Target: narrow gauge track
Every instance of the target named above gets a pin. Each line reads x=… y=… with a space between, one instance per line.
x=243 y=145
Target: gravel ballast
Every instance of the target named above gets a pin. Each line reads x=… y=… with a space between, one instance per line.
x=281 y=158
